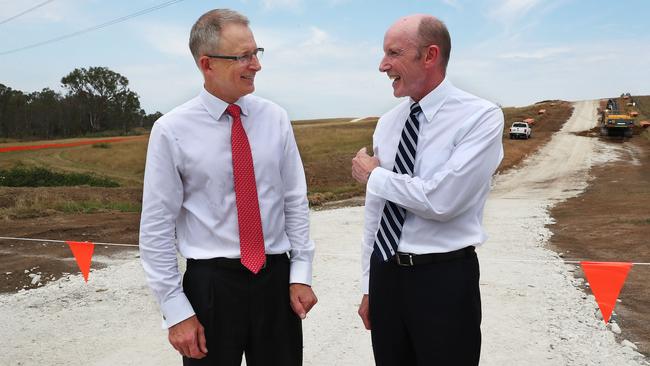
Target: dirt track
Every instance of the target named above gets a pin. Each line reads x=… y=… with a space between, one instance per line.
x=535 y=297
x=560 y=169
x=611 y=222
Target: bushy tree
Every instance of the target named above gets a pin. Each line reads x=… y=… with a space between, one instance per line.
x=97 y=99
x=105 y=95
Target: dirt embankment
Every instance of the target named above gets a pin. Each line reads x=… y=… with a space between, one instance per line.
x=610 y=221
x=50 y=261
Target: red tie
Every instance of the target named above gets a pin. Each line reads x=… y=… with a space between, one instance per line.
x=251 y=237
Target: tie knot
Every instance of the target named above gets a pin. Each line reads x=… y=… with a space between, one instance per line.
x=415 y=108
x=233 y=110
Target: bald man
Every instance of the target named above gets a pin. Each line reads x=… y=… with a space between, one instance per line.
x=427 y=183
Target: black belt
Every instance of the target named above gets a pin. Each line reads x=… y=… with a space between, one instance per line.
x=409 y=260
x=234 y=263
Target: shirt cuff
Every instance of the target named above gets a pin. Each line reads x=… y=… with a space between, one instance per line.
x=365 y=284
x=175 y=310
x=377 y=180
x=300 y=272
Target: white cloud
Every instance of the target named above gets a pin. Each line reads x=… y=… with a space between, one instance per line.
x=518 y=17
x=168 y=39
x=573 y=72
x=337 y=2
x=453 y=3
x=508 y=11
x=286 y=4
x=314 y=74
x=163 y=86
x=536 y=54
x=317 y=37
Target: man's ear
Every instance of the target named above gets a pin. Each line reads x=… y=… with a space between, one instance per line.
x=204 y=64
x=432 y=55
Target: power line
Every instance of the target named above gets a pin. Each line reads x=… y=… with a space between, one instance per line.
x=100 y=26
x=25 y=12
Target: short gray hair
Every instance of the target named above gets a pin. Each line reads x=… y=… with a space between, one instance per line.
x=432 y=31
x=204 y=37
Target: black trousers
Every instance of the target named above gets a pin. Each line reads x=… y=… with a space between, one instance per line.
x=244 y=313
x=427 y=314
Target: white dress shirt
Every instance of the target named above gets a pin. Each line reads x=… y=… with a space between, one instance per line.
x=188 y=201
x=459 y=147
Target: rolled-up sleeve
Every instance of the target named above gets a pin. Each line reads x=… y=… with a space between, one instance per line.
x=161 y=202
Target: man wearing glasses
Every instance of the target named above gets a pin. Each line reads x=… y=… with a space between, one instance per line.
x=426 y=186
x=225 y=187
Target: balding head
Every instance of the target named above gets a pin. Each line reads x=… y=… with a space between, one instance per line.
x=423 y=30
x=416 y=52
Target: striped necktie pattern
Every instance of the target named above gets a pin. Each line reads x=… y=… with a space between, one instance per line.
x=393 y=216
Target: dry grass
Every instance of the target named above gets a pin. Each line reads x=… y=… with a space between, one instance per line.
x=642 y=106
x=327 y=149
x=21 y=203
x=315 y=122
x=326 y=146
x=123 y=161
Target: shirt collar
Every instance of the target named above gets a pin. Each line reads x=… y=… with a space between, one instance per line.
x=217 y=107
x=432 y=102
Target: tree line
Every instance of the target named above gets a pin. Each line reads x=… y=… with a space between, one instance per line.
x=96 y=101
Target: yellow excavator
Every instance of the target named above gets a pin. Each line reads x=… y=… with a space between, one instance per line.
x=614 y=123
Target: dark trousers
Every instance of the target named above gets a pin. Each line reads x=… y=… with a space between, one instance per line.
x=427 y=314
x=244 y=313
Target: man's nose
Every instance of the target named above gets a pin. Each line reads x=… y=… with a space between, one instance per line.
x=255 y=63
x=384 y=65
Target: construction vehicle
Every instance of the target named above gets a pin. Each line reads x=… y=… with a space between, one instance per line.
x=615 y=124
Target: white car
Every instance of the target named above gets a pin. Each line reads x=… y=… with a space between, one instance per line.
x=520 y=130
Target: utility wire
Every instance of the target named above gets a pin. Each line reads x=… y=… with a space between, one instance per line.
x=25 y=12
x=103 y=25
x=540 y=261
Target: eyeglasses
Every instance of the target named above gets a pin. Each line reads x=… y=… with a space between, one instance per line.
x=244 y=59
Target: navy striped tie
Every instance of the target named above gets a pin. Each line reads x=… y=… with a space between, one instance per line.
x=392 y=218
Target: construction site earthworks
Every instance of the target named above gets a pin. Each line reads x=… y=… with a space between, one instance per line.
x=568 y=193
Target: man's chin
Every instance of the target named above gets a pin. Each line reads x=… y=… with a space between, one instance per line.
x=245 y=91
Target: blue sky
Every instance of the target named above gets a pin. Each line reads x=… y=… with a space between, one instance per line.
x=322 y=56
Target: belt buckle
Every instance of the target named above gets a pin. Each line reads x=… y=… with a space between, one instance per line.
x=405 y=264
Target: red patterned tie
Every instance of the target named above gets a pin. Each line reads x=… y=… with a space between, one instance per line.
x=251 y=237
